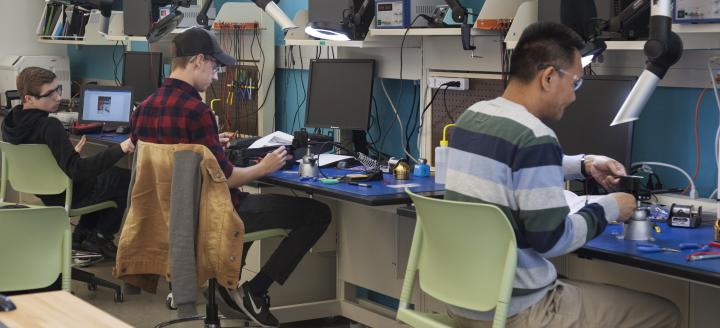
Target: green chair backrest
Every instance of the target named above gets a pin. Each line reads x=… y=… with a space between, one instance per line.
x=31 y=168
x=465 y=254
x=32 y=250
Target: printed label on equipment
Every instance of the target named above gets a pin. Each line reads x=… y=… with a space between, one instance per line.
x=680 y=222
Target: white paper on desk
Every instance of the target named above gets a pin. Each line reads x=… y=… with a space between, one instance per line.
x=576 y=202
x=277 y=138
x=325 y=159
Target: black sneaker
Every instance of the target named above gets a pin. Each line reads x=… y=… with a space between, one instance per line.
x=97 y=243
x=256 y=307
x=78 y=236
x=226 y=304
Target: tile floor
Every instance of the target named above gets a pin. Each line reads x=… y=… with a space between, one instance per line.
x=147 y=310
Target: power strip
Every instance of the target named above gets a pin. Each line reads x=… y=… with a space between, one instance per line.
x=436 y=82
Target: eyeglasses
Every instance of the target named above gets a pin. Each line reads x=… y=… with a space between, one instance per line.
x=57 y=89
x=577 y=81
x=216 y=66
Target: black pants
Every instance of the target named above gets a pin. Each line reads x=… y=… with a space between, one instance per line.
x=306 y=218
x=109 y=185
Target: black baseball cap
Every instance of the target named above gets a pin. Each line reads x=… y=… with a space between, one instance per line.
x=196 y=40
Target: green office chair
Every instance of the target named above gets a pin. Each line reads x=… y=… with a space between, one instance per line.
x=465 y=255
x=34 y=265
x=31 y=168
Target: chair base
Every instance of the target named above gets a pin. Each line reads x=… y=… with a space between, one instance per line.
x=93 y=281
x=199 y=318
x=212 y=318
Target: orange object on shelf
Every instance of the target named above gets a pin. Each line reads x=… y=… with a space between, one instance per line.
x=230 y=26
x=499 y=24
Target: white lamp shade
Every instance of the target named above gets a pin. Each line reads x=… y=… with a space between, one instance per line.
x=637 y=99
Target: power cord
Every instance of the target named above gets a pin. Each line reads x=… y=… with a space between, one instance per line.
x=397 y=115
x=432 y=99
x=447 y=111
x=693 y=191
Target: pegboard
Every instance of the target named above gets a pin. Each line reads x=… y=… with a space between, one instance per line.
x=457 y=102
x=237 y=92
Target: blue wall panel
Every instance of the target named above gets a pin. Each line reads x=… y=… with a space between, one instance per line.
x=665 y=133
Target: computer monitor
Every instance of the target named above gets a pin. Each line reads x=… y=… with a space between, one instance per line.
x=143 y=72
x=109 y=105
x=585 y=126
x=340 y=93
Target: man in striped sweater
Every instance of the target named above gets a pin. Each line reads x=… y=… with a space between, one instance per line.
x=501 y=153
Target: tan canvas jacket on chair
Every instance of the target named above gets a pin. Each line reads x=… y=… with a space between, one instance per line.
x=143 y=248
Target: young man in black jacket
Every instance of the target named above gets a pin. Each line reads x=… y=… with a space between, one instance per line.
x=95 y=179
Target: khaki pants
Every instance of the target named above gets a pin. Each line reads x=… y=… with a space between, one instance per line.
x=583 y=304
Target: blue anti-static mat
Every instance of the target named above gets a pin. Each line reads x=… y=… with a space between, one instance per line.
x=668 y=237
x=379 y=188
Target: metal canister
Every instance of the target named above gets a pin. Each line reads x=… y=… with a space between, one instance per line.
x=401 y=171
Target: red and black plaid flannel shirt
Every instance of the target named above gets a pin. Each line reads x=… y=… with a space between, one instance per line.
x=175 y=114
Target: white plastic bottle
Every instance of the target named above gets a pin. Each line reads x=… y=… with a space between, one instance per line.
x=441 y=157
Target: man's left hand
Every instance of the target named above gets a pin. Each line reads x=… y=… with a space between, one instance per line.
x=605 y=171
x=225 y=138
x=80 y=145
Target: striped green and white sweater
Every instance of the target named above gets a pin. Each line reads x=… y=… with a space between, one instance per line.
x=503 y=155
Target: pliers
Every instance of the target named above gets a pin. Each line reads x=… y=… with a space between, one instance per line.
x=694 y=246
x=650 y=248
x=703 y=256
x=703 y=252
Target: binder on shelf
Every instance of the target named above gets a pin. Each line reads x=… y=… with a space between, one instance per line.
x=66 y=23
x=59 y=22
x=51 y=19
x=41 y=24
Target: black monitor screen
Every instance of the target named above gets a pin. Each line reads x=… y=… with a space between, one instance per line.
x=585 y=126
x=339 y=93
x=111 y=105
x=142 y=71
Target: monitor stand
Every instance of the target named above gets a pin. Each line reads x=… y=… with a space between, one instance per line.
x=353 y=139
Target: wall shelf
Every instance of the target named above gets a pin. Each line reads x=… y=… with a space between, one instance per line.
x=422 y=31
x=75 y=41
x=92 y=35
x=297 y=37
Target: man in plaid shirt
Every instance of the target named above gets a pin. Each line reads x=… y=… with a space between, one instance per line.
x=175 y=113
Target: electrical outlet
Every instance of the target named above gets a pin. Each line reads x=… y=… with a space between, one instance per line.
x=436 y=82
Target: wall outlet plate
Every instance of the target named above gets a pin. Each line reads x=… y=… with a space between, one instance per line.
x=436 y=82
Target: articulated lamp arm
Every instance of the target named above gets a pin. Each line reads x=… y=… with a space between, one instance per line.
x=663 y=49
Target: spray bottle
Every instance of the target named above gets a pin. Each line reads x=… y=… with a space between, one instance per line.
x=441 y=157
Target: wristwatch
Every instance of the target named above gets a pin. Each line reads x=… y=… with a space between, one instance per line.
x=582 y=168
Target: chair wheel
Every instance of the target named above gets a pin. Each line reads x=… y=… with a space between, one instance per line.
x=119 y=297
x=92 y=287
x=170 y=302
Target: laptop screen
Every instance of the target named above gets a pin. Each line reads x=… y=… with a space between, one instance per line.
x=106 y=104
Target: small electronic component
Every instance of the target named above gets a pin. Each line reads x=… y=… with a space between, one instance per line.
x=685 y=216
